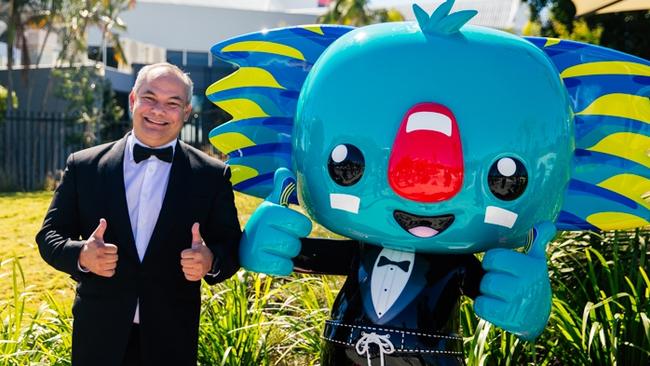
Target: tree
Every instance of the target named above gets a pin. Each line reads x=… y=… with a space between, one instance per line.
x=627 y=32
x=5 y=100
x=19 y=15
x=78 y=16
x=91 y=101
x=70 y=19
x=356 y=13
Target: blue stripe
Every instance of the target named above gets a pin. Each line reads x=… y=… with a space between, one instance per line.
x=580 y=186
x=248 y=183
x=282 y=125
x=569 y=221
x=570 y=53
x=591 y=129
x=585 y=89
x=273 y=148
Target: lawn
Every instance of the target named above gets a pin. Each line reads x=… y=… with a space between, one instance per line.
x=21 y=216
x=600 y=316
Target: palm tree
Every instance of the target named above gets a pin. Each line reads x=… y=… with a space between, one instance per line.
x=110 y=22
x=79 y=16
x=73 y=20
x=18 y=15
x=356 y=13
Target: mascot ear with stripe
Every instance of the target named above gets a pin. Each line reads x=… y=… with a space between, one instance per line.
x=610 y=92
x=424 y=143
x=262 y=95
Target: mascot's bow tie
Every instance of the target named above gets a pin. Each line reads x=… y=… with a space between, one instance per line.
x=141 y=153
x=403 y=265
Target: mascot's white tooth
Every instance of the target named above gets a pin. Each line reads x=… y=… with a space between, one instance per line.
x=345 y=202
x=430 y=121
x=500 y=216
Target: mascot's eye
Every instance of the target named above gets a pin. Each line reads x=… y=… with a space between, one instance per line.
x=346 y=164
x=507 y=179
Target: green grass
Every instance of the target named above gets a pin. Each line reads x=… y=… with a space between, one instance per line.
x=21 y=216
x=600 y=316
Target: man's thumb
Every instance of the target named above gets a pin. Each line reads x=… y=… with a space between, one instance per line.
x=101 y=228
x=196 y=235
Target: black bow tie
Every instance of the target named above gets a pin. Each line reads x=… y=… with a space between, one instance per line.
x=403 y=265
x=141 y=153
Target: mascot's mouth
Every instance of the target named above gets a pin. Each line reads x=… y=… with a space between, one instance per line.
x=423 y=226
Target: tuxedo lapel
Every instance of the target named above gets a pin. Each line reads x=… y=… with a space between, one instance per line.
x=172 y=205
x=112 y=172
x=414 y=285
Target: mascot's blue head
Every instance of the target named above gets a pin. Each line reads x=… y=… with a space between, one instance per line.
x=435 y=136
x=428 y=138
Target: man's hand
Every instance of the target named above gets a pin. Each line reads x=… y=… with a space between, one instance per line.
x=196 y=261
x=98 y=257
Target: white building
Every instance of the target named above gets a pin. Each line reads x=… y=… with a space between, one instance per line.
x=183 y=31
x=193 y=26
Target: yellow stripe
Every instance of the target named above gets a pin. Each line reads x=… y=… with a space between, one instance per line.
x=631 y=186
x=616 y=221
x=314 y=28
x=241 y=173
x=631 y=146
x=264 y=46
x=245 y=77
x=606 y=68
x=241 y=109
x=230 y=141
x=620 y=105
x=551 y=42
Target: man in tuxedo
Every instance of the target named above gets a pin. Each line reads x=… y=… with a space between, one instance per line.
x=138 y=223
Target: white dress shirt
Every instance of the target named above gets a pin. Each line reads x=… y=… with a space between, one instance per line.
x=145 y=184
x=388 y=281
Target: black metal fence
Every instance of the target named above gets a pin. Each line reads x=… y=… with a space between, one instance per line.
x=34 y=146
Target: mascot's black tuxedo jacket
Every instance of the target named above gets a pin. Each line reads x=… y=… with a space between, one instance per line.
x=420 y=328
x=199 y=190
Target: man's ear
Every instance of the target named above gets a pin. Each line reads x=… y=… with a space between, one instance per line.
x=187 y=112
x=131 y=100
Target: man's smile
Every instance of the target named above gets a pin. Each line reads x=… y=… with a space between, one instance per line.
x=155 y=121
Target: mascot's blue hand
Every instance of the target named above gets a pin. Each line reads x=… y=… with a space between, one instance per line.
x=272 y=235
x=516 y=291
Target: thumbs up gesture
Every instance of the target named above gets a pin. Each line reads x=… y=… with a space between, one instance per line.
x=516 y=291
x=272 y=235
x=97 y=256
x=197 y=260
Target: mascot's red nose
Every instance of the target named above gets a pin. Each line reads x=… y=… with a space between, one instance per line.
x=426 y=162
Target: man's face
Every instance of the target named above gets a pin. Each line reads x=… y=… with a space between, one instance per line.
x=159 y=107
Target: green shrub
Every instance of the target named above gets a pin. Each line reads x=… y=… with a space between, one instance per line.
x=600 y=316
x=601 y=307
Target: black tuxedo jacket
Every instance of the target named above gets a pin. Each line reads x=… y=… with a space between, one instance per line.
x=428 y=304
x=199 y=190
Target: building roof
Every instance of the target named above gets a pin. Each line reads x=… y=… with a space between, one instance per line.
x=500 y=14
x=260 y=5
x=196 y=25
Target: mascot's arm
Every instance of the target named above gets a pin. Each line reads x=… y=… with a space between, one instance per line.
x=516 y=291
x=326 y=256
x=472 y=274
x=272 y=235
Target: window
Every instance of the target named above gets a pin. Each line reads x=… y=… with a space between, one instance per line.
x=175 y=57
x=197 y=58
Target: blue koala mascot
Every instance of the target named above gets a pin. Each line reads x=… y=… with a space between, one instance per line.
x=425 y=143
